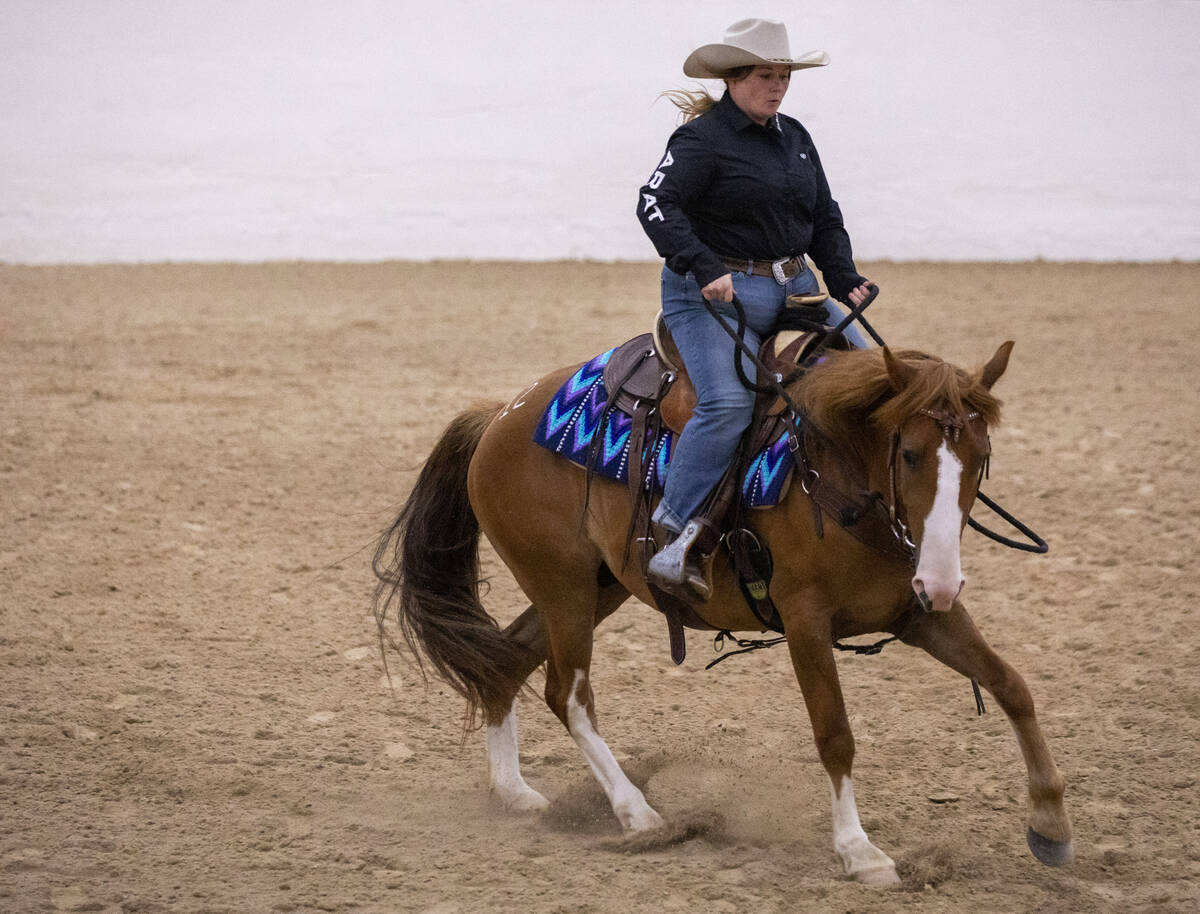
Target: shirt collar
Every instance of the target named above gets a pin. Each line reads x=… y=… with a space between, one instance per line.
x=739 y=121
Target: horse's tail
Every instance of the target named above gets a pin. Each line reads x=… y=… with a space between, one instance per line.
x=427 y=564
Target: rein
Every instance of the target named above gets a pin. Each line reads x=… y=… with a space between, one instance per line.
x=809 y=476
x=846 y=510
x=951 y=426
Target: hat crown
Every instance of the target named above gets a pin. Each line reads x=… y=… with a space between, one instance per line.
x=749 y=42
x=764 y=38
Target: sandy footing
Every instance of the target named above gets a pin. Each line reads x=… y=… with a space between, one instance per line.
x=195 y=461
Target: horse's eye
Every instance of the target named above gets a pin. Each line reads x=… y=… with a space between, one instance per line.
x=911 y=459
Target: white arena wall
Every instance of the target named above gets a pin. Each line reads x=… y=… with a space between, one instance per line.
x=369 y=130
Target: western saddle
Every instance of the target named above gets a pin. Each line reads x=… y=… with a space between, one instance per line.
x=646 y=379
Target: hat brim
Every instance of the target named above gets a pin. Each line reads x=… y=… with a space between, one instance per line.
x=714 y=61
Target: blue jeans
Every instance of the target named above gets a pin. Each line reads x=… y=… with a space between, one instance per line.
x=724 y=407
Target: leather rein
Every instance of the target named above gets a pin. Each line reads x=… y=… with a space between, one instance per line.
x=809 y=477
x=847 y=511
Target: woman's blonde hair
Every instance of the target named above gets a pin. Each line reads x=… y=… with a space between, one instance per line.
x=693 y=104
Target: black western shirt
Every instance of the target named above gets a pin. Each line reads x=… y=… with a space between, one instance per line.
x=728 y=186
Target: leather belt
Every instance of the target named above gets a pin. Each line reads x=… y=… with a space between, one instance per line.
x=782 y=270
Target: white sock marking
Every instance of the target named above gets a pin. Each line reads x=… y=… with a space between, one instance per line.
x=846 y=826
x=628 y=803
x=504 y=767
x=860 y=857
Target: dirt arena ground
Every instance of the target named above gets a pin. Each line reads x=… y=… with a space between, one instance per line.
x=195 y=460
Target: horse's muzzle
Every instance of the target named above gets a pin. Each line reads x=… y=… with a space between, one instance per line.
x=936 y=598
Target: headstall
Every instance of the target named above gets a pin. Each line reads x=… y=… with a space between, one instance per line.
x=951 y=425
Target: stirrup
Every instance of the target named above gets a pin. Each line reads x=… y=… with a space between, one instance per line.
x=670 y=564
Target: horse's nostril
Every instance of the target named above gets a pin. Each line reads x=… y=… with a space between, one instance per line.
x=919 y=589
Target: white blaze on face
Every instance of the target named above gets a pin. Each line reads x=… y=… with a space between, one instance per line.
x=939 y=572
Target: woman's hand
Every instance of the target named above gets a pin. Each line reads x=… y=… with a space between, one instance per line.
x=859 y=295
x=720 y=289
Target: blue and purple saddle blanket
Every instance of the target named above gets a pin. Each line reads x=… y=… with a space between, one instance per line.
x=571 y=423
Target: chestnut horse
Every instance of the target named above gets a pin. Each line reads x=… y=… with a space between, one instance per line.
x=910 y=427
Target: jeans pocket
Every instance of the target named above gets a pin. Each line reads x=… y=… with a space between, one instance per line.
x=802 y=283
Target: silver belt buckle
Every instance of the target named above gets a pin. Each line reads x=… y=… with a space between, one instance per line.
x=777 y=271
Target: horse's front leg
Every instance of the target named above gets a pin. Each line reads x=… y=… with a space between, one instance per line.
x=809 y=641
x=952 y=638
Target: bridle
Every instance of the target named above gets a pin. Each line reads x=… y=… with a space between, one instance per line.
x=951 y=425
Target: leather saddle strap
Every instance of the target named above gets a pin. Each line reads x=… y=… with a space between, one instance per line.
x=673 y=608
x=637 y=449
x=639 y=516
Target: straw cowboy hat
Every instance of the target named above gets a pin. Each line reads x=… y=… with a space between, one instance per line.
x=751 y=42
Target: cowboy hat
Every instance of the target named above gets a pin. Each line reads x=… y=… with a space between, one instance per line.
x=750 y=42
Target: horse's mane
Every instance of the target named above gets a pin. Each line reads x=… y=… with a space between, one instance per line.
x=847 y=392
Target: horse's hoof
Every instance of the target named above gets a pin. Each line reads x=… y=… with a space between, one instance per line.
x=524 y=802
x=641 y=820
x=865 y=863
x=883 y=875
x=1049 y=851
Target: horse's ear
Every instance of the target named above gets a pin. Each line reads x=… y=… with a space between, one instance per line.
x=900 y=373
x=996 y=365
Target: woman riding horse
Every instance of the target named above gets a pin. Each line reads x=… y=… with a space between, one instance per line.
x=736 y=203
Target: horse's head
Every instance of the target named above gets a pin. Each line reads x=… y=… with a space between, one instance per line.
x=939 y=419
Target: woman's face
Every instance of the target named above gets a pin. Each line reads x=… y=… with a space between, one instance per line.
x=760 y=93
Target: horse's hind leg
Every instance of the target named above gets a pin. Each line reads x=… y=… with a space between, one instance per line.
x=505 y=781
x=569 y=696
x=507 y=785
x=953 y=639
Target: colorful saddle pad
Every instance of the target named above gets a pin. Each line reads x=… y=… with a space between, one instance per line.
x=571 y=423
